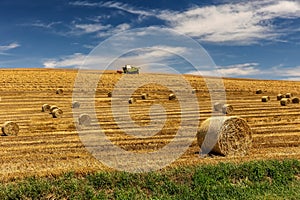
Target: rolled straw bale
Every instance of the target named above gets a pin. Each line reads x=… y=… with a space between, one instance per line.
x=259 y=91
x=144 y=96
x=57 y=113
x=284 y=101
x=194 y=91
x=46 y=108
x=172 y=97
x=225 y=135
x=295 y=100
x=109 y=94
x=227 y=109
x=265 y=98
x=218 y=106
x=288 y=95
x=59 y=91
x=280 y=96
x=10 y=128
x=84 y=119
x=131 y=100
x=75 y=104
x=52 y=108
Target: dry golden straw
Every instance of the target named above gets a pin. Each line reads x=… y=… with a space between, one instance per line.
x=227 y=109
x=84 y=119
x=284 y=101
x=57 y=113
x=10 y=128
x=46 y=108
x=172 y=97
x=75 y=104
x=231 y=136
x=265 y=99
x=59 y=91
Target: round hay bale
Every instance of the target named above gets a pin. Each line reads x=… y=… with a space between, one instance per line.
x=144 y=96
x=46 y=108
x=227 y=109
x=218 y=106
x=75 y=104
x=288 y=95
x=109 y=94
x=84 y=119
x=228 y=136
x=259 y=91
x=280 y=96
x=59 y=91
x=285 y=101
x=10 y=128
x=295 y=100
x=131 y=100
x=172 y=97
x=194 y=91
x=265 y=98
x=52 y=108
x=57 y=113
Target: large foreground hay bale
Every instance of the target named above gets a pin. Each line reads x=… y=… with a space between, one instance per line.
x=227 y=109
x=172 y=96
x=57 y=113
x=280 y=96
x=285 y=101
x=265 y=98
x=75 y=104
x=46 y=108
x=295 y=100
x=84 y=119
x=229 y=136
x=10 y=128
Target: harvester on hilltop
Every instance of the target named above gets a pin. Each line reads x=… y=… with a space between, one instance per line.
x=128 y=69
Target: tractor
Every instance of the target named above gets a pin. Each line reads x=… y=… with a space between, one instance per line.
x=128 y=69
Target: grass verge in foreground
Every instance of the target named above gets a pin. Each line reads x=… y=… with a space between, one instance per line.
x=253 y=180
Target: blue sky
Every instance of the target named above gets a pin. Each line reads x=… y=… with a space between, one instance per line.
x=254 y=39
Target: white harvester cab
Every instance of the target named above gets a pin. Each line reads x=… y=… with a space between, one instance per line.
x=128 y=69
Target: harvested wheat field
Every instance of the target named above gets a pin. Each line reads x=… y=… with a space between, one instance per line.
x=48 y=144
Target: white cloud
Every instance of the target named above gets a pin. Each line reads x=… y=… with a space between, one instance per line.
x=90 y=28
x=10 y=46
x=242 y=23
x=74 y=60
x=114 y=30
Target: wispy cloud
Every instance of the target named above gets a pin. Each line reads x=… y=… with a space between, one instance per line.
x=40 y=24
x=74 y=60
x=5 y=48
x=90 y=28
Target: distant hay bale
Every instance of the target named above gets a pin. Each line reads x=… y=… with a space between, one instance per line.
x=46 y=108
x=194 y=91
x=295 y=100
x=231 y=136
x=259 y=91
x=52 y=108
x=144 y=96
x=288 y=95
x=227 y=109
x=218 y=106
x=131 y=100
x=265 y=99
x=109 y=94
x=75 y=104
x=172 y=97
x=57 y=113
x=284 y=101
x=10 y=128
x=84 y=119
x=280 y=96
x=59 y=91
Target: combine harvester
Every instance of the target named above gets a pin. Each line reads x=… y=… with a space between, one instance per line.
x=128 y=69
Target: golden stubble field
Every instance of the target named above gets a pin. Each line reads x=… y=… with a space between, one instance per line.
x=50 y=146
